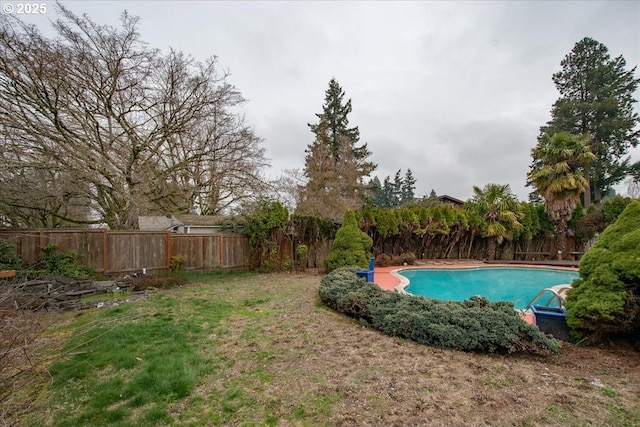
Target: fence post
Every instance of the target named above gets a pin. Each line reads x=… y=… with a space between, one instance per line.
x=222 y=251
x=169 y=251
x=105 y=252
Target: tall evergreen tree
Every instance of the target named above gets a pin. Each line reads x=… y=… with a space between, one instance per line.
x=596 y=97
x=391 y=194
x=388 y=198
x=334 y=124
x=397 y=188
x=408 y=187
x=375 y=195
x=335 y=165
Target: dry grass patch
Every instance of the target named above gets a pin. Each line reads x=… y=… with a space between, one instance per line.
x=280 y=357
x=296 y=360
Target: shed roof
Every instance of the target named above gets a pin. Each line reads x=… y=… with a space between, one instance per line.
x=448 y=199
x=157 y=223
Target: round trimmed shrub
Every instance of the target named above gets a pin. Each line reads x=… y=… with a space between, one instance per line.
x=351 y=246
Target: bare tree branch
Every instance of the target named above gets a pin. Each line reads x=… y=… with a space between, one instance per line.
x=97 y=127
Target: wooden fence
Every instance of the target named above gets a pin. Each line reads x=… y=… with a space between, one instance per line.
x=112 y=252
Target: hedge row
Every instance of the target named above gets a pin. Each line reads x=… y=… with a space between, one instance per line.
x=473 y=325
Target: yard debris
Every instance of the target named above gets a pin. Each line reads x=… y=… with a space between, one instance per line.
x=63 y=293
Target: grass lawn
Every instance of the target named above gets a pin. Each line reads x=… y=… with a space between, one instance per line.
x=256 y=350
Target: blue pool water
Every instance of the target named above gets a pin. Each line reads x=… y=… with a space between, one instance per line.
x=516 y=284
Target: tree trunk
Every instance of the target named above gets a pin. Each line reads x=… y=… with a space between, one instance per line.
x=597 y=194
x=491 y=249
x=587 y=198
x=471 y=244
x=561 y=237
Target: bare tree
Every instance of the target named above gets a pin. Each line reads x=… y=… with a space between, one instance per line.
x=112 y=129
x=286 y=188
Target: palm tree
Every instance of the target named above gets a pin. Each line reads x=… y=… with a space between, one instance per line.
x=500 y=210
x=558 y=173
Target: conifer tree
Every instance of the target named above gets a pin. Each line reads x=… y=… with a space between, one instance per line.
x=374 y=194
x=351 y=247
x=391 y=194
x=596 y=97
x=388 y=198
x=397 y=189
x=408 y=187
x=335 y=165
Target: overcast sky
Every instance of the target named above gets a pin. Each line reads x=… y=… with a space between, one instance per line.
x=454 y=91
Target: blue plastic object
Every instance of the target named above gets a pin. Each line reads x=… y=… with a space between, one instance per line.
x=551 y=320
x=368 y=274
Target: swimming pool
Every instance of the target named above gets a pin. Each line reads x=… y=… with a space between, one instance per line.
x=516 y=284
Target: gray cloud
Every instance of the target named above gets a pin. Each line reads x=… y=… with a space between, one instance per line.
x=455 y=91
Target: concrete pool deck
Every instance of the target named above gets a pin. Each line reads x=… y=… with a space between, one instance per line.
x=388 y=278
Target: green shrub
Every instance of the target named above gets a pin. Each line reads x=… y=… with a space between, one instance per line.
x=9 y=260
x=605 y=299
x=351 y=246
x=62 y=263
x=177 y=263
x=266 y=226
x=474 y=325
x=612 y=208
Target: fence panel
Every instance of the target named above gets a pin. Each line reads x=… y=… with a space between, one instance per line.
x=26 y=243
x=202 y=252
x=113 y=252
x=133 y=251
x=318 y=251
x=190 y=247
x=86 y=243
x=236 y=252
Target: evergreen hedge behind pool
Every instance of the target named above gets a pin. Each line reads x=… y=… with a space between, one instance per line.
x=474 y=325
